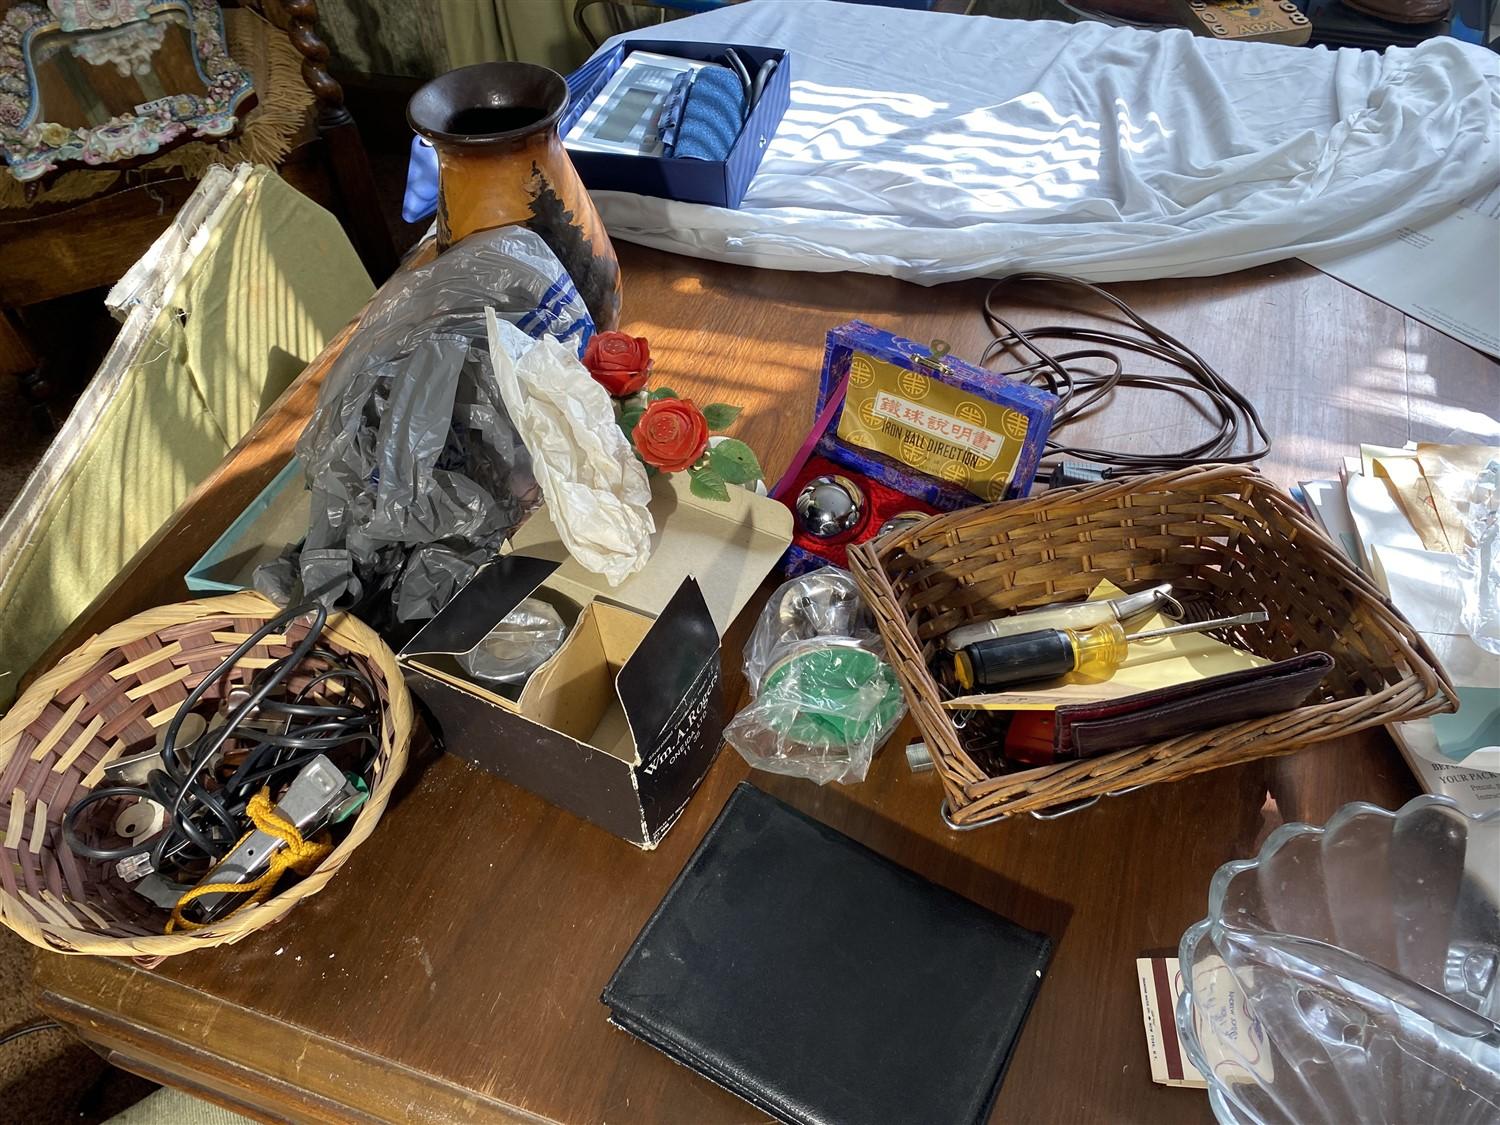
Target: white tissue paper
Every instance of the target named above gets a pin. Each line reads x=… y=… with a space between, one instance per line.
x=596 y=490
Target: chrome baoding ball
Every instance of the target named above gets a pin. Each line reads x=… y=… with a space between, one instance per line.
x=830 y=506
x=900 y=522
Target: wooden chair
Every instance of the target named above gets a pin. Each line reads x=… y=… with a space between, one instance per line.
x=50 y=250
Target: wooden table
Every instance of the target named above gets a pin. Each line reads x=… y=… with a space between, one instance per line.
x=452 y=971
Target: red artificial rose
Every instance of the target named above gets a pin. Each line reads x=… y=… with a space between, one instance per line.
x=671 y=435
x=620 y=363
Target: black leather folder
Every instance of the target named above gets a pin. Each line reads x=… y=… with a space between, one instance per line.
x=822 y=982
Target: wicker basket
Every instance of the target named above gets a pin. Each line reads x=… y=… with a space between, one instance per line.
x=1226 y=538
x=111 y=697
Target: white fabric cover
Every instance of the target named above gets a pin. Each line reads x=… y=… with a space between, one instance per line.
x=935 y=147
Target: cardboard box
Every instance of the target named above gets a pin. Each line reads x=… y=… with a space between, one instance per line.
x=927 y=432
x=622 y=723
x=722 y=183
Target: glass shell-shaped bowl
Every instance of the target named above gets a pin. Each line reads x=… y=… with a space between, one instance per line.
x=1349 y=973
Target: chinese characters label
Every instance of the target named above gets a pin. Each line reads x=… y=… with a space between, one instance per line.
x=932 y=427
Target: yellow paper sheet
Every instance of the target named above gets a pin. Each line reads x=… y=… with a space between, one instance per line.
x=1450 y=470
x=1368 y=453
x=1404 y=477
x=1149 y=665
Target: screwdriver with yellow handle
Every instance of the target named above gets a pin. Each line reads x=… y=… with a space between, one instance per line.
x=1046 y=654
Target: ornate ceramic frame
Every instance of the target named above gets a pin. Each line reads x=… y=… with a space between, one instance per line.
x=33 y=148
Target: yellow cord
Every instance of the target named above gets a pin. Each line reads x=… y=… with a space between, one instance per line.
x=299 y=855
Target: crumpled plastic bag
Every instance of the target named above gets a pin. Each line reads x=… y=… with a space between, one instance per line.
x=596 y=489
x=1480 y=562
x=823 y=699
x=416 y=473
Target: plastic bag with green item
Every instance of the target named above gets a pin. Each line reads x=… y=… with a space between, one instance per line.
x=823 y=698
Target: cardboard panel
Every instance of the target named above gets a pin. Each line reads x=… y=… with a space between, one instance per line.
x=589 y=783
x=441 y=666
x=655 y=680
x=574 y=692
x=496 y=589
x=678 y=761
x=672 y=692
x=729 y=547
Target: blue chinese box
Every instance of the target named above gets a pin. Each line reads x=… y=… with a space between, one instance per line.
x=918 y=430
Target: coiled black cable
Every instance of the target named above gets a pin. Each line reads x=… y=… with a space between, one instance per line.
x=205 y=818
x=1082 y=391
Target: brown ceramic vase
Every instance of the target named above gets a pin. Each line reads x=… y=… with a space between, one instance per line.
x=501 y=163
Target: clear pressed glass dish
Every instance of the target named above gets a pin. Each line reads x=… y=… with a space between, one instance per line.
x=1348 y=973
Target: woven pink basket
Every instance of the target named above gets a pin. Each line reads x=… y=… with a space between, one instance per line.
x=111 y=697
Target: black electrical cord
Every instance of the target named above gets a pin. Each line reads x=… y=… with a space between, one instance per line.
x=215 y=844
x=22 y=1030
x=1082 y=390
x=277 y=736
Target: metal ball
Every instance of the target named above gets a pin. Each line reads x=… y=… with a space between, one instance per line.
x=830 y=506
x=822 y=603
x=900 y=522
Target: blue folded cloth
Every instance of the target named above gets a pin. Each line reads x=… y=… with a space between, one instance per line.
x=712 y=115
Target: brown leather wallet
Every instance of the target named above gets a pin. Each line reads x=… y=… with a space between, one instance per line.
x=1086 y=730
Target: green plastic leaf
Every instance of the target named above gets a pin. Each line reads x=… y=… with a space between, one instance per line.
x=734 y=461
x=708 y=484
x=629 y=420
x=720 y=415
x=663 y=392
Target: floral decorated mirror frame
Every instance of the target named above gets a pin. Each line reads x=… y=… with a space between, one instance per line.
x=114 y=45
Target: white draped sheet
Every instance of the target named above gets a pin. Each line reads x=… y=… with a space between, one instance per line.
x=934 y=147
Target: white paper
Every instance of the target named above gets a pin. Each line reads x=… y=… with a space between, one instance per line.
x=1445 y=273
x=1468 y=666
x=1378 y=519
x=1474 y=790
x=1466 y=663
x=1426 y=586
x=1326 y=497
x=596 y=490
x=1419 y=741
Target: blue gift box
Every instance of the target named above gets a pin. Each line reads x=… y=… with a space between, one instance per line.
x=722 y=183
x=1023 y=405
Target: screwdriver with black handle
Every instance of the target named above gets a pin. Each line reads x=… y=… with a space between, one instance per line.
x=1045 y=654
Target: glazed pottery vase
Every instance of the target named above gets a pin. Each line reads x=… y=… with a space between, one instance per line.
x=501 y=162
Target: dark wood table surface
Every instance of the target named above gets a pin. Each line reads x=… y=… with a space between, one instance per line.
x=452 y=971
